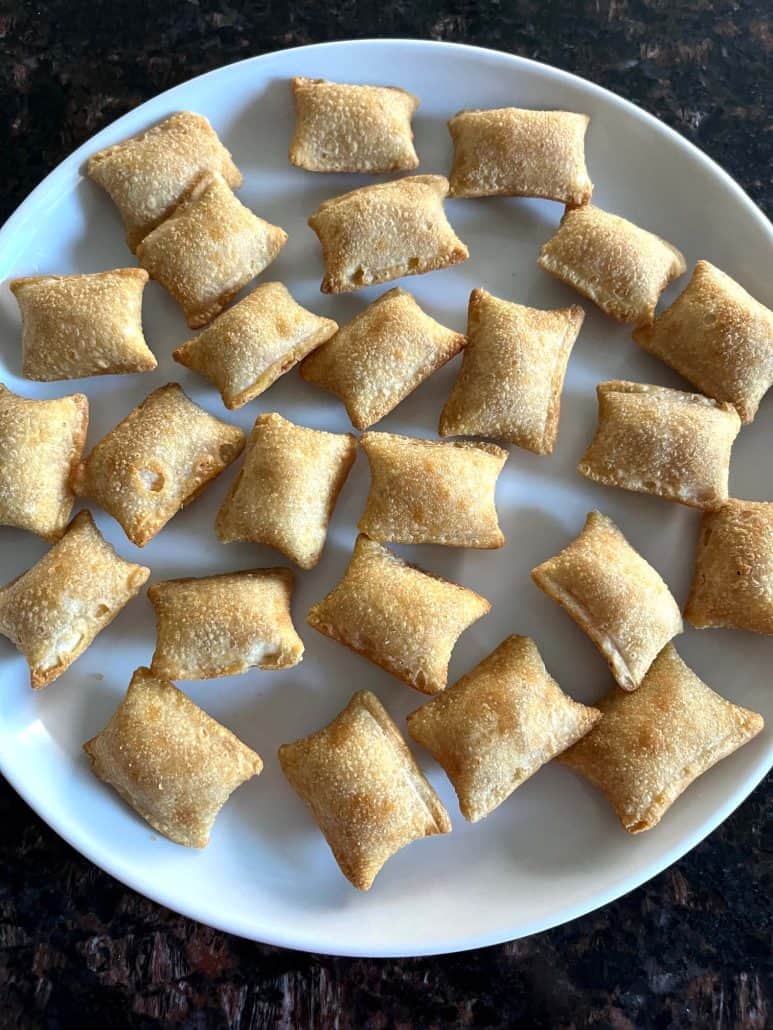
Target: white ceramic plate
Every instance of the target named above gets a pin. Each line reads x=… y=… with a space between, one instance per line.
x=552 y=851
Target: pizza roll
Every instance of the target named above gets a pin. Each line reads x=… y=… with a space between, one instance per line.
x=664 y=442
x=157 y=460
x=733 y=581
x=53 y=611
x=718 y=337
x=425 y=492
x=398 y=616
x=515 y=153
x=286 y=490
x=172 y=763
x=512 y=374
x=345 y=128
x=40 y=444
x=649 y=746
x=620 y=267
x=382 y=232
x=208 y=248
x=615 y=596
x=373 y=362
x=148 y=175
x=82 y=325
x=363 y=788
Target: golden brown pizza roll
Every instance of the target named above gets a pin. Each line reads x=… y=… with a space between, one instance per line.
x=148 y=175
x=40 y=444
x=426 y=492
x=649 y=746
x=373 y=362
x=249 y=347
x=157 y=460
x=363 y=787
x=516 y=153
x=733 y=580
x=620 y=267
x=224 y=625
x=718 y=337
x=512 y=374
x=53 y=611
x=498 y=725
x=615 y=596
x=172 y=763
x=382 y=232
x=398 y=616
x=82 y=325
x=208 y=248
x=664 y=442
x=287 y=488
x=345 y=128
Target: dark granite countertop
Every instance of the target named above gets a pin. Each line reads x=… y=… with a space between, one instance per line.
x=690 y=949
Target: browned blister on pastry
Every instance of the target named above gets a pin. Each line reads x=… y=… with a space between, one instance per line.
x=382 y=232
x=649 y=746
x=512 y=374
x=41 y=442
x=373 y=362
x=347 y=128
x=172 y=763
x=620 y=267
x=363 y=787
x=718 y=337
x=665 y=442
x=251 y=345
x=82 y=325
x=208 y=249
x=285 y=492
x=148 y=175
x=733 y=580
x=53 y=612
x=615 y=596
x=398 y=616
x=224 y=625
x=512 y=152
x=498 y=725
x=426 y=492
x=157 y=460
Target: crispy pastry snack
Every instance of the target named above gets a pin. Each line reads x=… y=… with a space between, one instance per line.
x=148 y=175
x=498 y=725
x=512 y=374
x=224 y=625
x=398 y=616
x=718 y=337
x=649 y=746
x=382 y=232
x=425 y=492
x=170 y=761
x=615 y=596
x=620 y=267
x=373 y=362
x=733 y=581
x=208 y=248
x=157 y=460
x=286 y=490
x=249 y=347
x=53 y=611
x=516 y=153
x=664 y=442
x=40 y=444
x=345 y=128
x=82 y=325
x=363 y=787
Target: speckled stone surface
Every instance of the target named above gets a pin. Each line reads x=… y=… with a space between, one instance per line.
x=690 y=949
